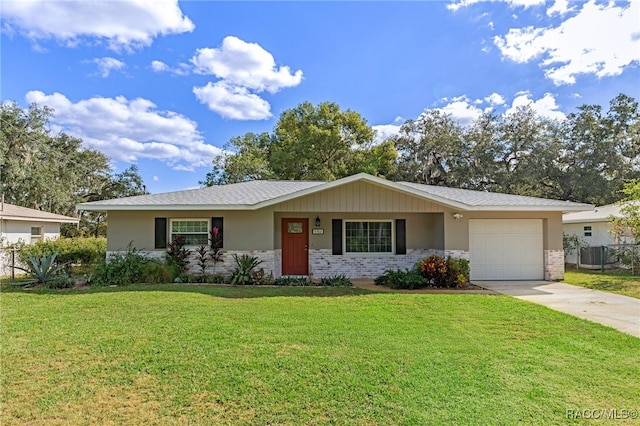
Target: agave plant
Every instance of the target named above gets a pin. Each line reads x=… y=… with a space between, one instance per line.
x=43 y=268
x=244 y=272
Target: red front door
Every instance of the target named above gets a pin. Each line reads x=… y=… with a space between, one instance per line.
x=295 y=243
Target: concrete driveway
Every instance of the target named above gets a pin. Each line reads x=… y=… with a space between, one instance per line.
x=613 y=310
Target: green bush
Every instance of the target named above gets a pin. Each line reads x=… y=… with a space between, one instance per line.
x=399 y=279
x=457 y=272
x=60 y=281
x=155 y=271
x=81 y=250
x=336 y=281
x=121 y=269
x=293 y=281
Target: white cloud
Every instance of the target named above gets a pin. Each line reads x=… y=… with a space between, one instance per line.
x=461 y=109
x=107 y=64
x=181 y=69
x=495 y=99
x=245 y=64
x=545 y=106
x=233 y=102
x=128 y=130
x=244 y=69
x=560 y=7
x=456 y=5
x=599 y=39
x=122 y=24
x=384 y=132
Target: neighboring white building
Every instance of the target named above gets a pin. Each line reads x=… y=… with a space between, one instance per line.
x=20 y=224
x=593 y=227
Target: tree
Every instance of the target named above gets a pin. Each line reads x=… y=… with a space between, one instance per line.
x=317 y=142
x=629 y=223
x=246 y=158
x=54 y=172
x=430 y=150
x=309 y=142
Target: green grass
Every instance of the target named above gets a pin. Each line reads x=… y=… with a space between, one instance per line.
x=621 y=282
x=235 y=355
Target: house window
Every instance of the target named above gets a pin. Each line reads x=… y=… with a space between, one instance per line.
x=368 y=237
x=194 y=232
x=36 y=234
x=587 y=231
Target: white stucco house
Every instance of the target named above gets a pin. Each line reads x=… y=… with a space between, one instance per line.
x=21 y=224
x=594 y=228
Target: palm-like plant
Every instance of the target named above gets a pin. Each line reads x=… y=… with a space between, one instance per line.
x=245 y=266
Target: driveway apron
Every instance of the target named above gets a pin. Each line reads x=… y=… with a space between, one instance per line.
x=613 y=310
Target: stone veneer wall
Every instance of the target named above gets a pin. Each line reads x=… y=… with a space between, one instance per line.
x=323 y=264
x=457 y=254
x=553 y=265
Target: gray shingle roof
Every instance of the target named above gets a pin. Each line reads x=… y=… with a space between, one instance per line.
x=260 y=193
x=598 y=214
x=13 y=212
x=484 y=199
x=235 y=194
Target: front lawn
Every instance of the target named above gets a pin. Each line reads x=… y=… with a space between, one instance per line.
x=244 y=355
x=618 y=281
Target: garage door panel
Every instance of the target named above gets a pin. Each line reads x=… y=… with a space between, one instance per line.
x=510 y=249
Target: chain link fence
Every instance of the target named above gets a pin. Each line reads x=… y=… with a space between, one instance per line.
x=9 y=262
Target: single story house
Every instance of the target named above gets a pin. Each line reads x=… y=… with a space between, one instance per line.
x=594 y=228
x=358 y=226
x=21 y=224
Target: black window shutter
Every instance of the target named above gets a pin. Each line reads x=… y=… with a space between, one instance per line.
x=160 y=240
x=401 y=236
x=336 y=236
x=218 y=222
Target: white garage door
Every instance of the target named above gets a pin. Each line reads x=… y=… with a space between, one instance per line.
x=509 y=249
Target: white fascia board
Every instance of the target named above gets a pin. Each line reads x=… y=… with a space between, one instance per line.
x=150 y=207
x=37 y=219
x=559 y=208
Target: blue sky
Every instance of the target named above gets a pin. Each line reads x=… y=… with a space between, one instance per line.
x=165 y=84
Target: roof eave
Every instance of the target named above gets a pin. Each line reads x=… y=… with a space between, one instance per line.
x=38 y=219
x=153 y=207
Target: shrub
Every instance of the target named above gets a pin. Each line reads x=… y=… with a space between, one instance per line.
x=155 y=271
x=202 y=258
x=261 y=278
x=81 y=250
x=398 y=279
x=336 y=281
x=60 y=281
x=293 y=281
x=177 y=255
x=215 y=236
x=457 y=272
x=434 y=269
x=245 y=269
x=121 y=269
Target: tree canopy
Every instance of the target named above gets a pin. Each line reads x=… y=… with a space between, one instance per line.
x=586 y=157
x=53 y=173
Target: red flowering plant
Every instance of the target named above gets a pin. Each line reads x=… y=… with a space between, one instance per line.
x=215 y=254
x=434 y=269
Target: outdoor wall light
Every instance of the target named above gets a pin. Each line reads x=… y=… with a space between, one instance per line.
x=317 y=221
x=457 y=216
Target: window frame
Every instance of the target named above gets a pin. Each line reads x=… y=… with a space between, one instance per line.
x=189 y=219
x=36 y=238
x=368 y=253
x=587 y=231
